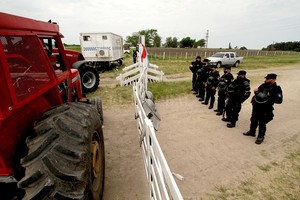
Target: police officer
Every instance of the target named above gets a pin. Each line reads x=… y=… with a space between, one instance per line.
x=194 y=66
x=211 y=86
x=206 y=68
x=237 y=92
x=134 y=55
x=263 y=100
x=224 y=81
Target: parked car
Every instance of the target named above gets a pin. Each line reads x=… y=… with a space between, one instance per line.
x=225 y=58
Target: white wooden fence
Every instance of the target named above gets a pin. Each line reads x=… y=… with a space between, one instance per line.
x=161 y=182
x=132 y=74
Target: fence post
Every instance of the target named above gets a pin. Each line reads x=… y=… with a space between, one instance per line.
x=164 y=55
x=121 y=80
x=257 y=53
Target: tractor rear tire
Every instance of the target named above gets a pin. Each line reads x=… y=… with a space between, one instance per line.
x=89 y=79
x=66 y=155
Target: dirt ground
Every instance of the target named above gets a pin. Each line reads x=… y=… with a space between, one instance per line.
x=198 y=145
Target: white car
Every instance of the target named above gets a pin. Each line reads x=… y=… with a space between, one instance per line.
x=225 y=58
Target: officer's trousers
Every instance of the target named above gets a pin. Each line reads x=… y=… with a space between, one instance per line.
x=221 y=101
x=233 y=109
x=260 y=117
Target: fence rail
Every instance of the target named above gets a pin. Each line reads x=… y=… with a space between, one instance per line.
x=160 y=179
x=162 y=185
x=168 y=53
x=133 y=72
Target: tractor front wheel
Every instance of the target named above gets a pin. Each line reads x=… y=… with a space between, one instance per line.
x=89 y=79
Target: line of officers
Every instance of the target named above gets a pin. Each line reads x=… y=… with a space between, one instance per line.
x=206 y=80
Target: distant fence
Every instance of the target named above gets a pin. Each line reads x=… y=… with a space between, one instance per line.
x=168 y=53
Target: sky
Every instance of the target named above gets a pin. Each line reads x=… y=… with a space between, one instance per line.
x=251 y=23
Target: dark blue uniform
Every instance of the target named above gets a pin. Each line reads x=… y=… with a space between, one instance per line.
x=237 y=92
x=262 y=108
x=211 y=86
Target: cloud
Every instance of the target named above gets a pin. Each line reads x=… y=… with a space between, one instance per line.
x=250 y=23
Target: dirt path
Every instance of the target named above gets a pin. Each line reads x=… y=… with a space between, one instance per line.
x=198 y=145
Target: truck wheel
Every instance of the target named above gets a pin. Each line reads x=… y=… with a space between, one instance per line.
x=89 y=79
x=236 y=64
x=120 y=61
x=66 y=155
x=219 y=64
x=98 y=103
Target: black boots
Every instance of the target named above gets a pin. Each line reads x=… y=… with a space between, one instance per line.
x=231 y=125
x=249 y=133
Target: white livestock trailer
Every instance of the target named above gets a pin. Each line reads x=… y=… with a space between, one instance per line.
x=102 y=47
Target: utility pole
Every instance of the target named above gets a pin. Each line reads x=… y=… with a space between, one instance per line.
x=206 y=39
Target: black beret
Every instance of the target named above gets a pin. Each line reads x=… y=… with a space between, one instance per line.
x=242 y=72
x=271 y=76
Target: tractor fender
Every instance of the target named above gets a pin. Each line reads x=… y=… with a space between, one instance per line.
x=79 y=64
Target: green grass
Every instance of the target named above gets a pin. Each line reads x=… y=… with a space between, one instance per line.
x=74 y=47
x=176 y=66
x=165 y=90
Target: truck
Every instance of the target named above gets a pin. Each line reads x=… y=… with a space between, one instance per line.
x=102 y=48
x=225 y=58
x=51 y=139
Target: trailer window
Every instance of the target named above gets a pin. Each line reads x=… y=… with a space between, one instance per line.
x=27 y=68
x=231 y=55
x=104 y=37
x=86 y=38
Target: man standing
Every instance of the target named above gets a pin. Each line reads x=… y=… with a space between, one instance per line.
x=211 y=86
x=206 y=68
x=238 y=92
x=134 y=55
x=263 y=100
x=224 y=82
x=194 y=67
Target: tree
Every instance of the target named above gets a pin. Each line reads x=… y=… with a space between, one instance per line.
x=199 y=43
x=157 y=41
x=171 y=42
x=243 y=48
x=151 y=38
x=229 y=47
x=186 y=42
x=284 y=46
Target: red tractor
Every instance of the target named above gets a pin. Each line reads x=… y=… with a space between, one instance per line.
x=51 y=141
x=89 y=75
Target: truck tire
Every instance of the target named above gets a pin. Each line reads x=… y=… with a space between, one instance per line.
x=236 y=64
x=98 y=103
x=219 y=64
x=120 y=61
x=89 y=79
x=66 y=155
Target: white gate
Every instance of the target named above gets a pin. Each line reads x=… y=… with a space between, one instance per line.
x=162 y=185
x=132 y=73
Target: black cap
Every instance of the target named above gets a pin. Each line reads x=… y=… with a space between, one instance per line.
x=198 y=57
x=271 y=76
x=227 y=67
x=242 y=72
x=205 y=60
